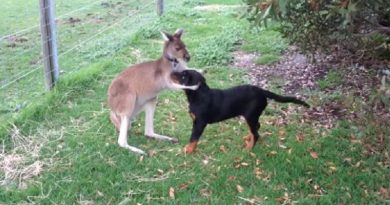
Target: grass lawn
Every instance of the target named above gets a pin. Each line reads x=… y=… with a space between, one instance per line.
x=70 y=153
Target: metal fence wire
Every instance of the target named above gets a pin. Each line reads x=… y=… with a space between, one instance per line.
x=86 y=31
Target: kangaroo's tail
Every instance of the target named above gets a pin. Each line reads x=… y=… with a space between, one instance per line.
x=284 y=99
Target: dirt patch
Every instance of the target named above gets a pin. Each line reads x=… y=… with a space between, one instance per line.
x=295 y=75
x=294 y=69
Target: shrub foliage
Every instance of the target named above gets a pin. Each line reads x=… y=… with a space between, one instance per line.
x=361 y=27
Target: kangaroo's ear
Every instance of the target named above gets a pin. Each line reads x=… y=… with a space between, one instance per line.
x=166 y=36
x=178 y=32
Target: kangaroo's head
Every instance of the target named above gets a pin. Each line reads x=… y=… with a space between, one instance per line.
x=174 y=48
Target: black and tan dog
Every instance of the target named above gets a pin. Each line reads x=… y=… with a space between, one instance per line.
x=208 y=105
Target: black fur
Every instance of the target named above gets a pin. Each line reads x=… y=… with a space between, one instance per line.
x=214 y=105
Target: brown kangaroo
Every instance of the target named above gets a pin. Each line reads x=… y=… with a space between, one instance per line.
x=136 y=88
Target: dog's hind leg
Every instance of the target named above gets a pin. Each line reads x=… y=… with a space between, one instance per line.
x=254 y=126
x=149 y=108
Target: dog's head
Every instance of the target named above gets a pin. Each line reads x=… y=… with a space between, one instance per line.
x=174 y=48
x=188 y=78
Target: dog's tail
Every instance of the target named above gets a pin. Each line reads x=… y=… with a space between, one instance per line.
x=284 y=99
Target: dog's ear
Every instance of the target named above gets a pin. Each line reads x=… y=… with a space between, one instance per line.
x=178 y=32
x=166 y=36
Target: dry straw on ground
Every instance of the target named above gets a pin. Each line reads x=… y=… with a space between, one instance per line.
x=22 y=162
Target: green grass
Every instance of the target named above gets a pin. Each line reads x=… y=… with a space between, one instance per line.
x=267 y=42
x=332 y=79
x=223 y=1
x=20 y=53
x=267 y=59
x=83 y=163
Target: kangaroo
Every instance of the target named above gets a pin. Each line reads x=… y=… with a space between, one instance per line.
x=136 y=88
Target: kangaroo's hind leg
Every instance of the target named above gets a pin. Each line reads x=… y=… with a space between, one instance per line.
x=149 y=108
x=125 y=125
x=116 y=120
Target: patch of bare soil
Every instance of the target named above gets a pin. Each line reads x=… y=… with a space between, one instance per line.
x=297 y=76
x=294 y=69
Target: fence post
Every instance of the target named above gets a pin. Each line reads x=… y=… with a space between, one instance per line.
x=160 y=7
x=49 y=43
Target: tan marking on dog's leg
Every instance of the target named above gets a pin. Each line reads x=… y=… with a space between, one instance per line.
x=247 y=138
x=122 y=139
x=249 y=142
x=191 y=147
x=149 y=127
x=193 y=116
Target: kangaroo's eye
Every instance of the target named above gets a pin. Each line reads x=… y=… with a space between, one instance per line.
x=178 y=49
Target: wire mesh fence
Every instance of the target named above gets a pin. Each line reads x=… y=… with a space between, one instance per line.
x=86 y=32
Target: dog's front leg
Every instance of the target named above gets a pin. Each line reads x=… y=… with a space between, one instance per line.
x=197 y=130
x=149 y=127
x=122 y=139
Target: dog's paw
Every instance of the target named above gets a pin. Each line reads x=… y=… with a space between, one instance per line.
x=248 y=142
x=188 y=150
x=191 y=147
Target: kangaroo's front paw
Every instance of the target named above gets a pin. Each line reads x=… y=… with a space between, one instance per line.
x=174 y=140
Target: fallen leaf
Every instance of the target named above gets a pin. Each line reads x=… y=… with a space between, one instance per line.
x=282 y=146
x=348 y=159
x=239 y=188
x=318 y=189
x=152 y=152
x=99 y=193
x=333 y=168
x=252 y=154
x=171 y=193
x=160 y=171
x=183 y=186
x=384 y=193
x=358 y=164
x=285 y=199
x=258 y=172
x=205 y=161
x=204 y=192
x=299 y=137
x=314 y=154
x=244 y=164
x=223 y=149
x=258 y=162
x=231 y=178
x=273 y=153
